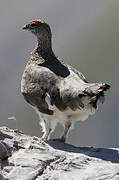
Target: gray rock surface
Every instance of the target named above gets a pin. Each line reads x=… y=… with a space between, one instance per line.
x=23 y=157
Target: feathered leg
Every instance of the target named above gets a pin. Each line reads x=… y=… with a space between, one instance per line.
x=67 y=126
x=46 y=128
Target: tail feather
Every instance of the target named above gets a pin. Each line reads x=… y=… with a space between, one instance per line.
x=96 y=92
x=96 y=88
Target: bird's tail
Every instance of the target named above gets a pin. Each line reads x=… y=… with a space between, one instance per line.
x=96 y=92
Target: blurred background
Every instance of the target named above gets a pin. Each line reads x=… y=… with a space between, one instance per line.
x=85 y=35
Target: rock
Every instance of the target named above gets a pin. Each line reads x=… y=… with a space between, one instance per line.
x=29 y=158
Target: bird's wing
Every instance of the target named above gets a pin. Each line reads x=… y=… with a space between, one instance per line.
x=43 y=88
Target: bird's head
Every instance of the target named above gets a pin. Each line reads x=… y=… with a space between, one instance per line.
x=38 y=28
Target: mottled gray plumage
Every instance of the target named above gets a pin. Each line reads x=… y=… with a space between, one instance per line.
x=56 y=90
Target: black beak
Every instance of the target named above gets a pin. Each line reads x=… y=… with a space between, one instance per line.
x=26 y=27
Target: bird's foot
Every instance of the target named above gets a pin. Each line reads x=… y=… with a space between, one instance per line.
x=44 y=137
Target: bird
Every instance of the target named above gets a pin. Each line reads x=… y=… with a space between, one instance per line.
x=57 y=91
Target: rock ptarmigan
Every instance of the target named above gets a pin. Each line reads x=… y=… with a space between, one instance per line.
x=57 y=91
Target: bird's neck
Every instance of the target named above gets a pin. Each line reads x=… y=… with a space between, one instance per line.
x=44 y=47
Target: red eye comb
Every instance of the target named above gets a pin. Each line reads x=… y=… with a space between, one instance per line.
x=34 y=22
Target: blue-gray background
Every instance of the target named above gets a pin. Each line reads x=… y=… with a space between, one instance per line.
x=86 y=35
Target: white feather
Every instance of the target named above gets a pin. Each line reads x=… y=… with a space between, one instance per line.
x=48 y=101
